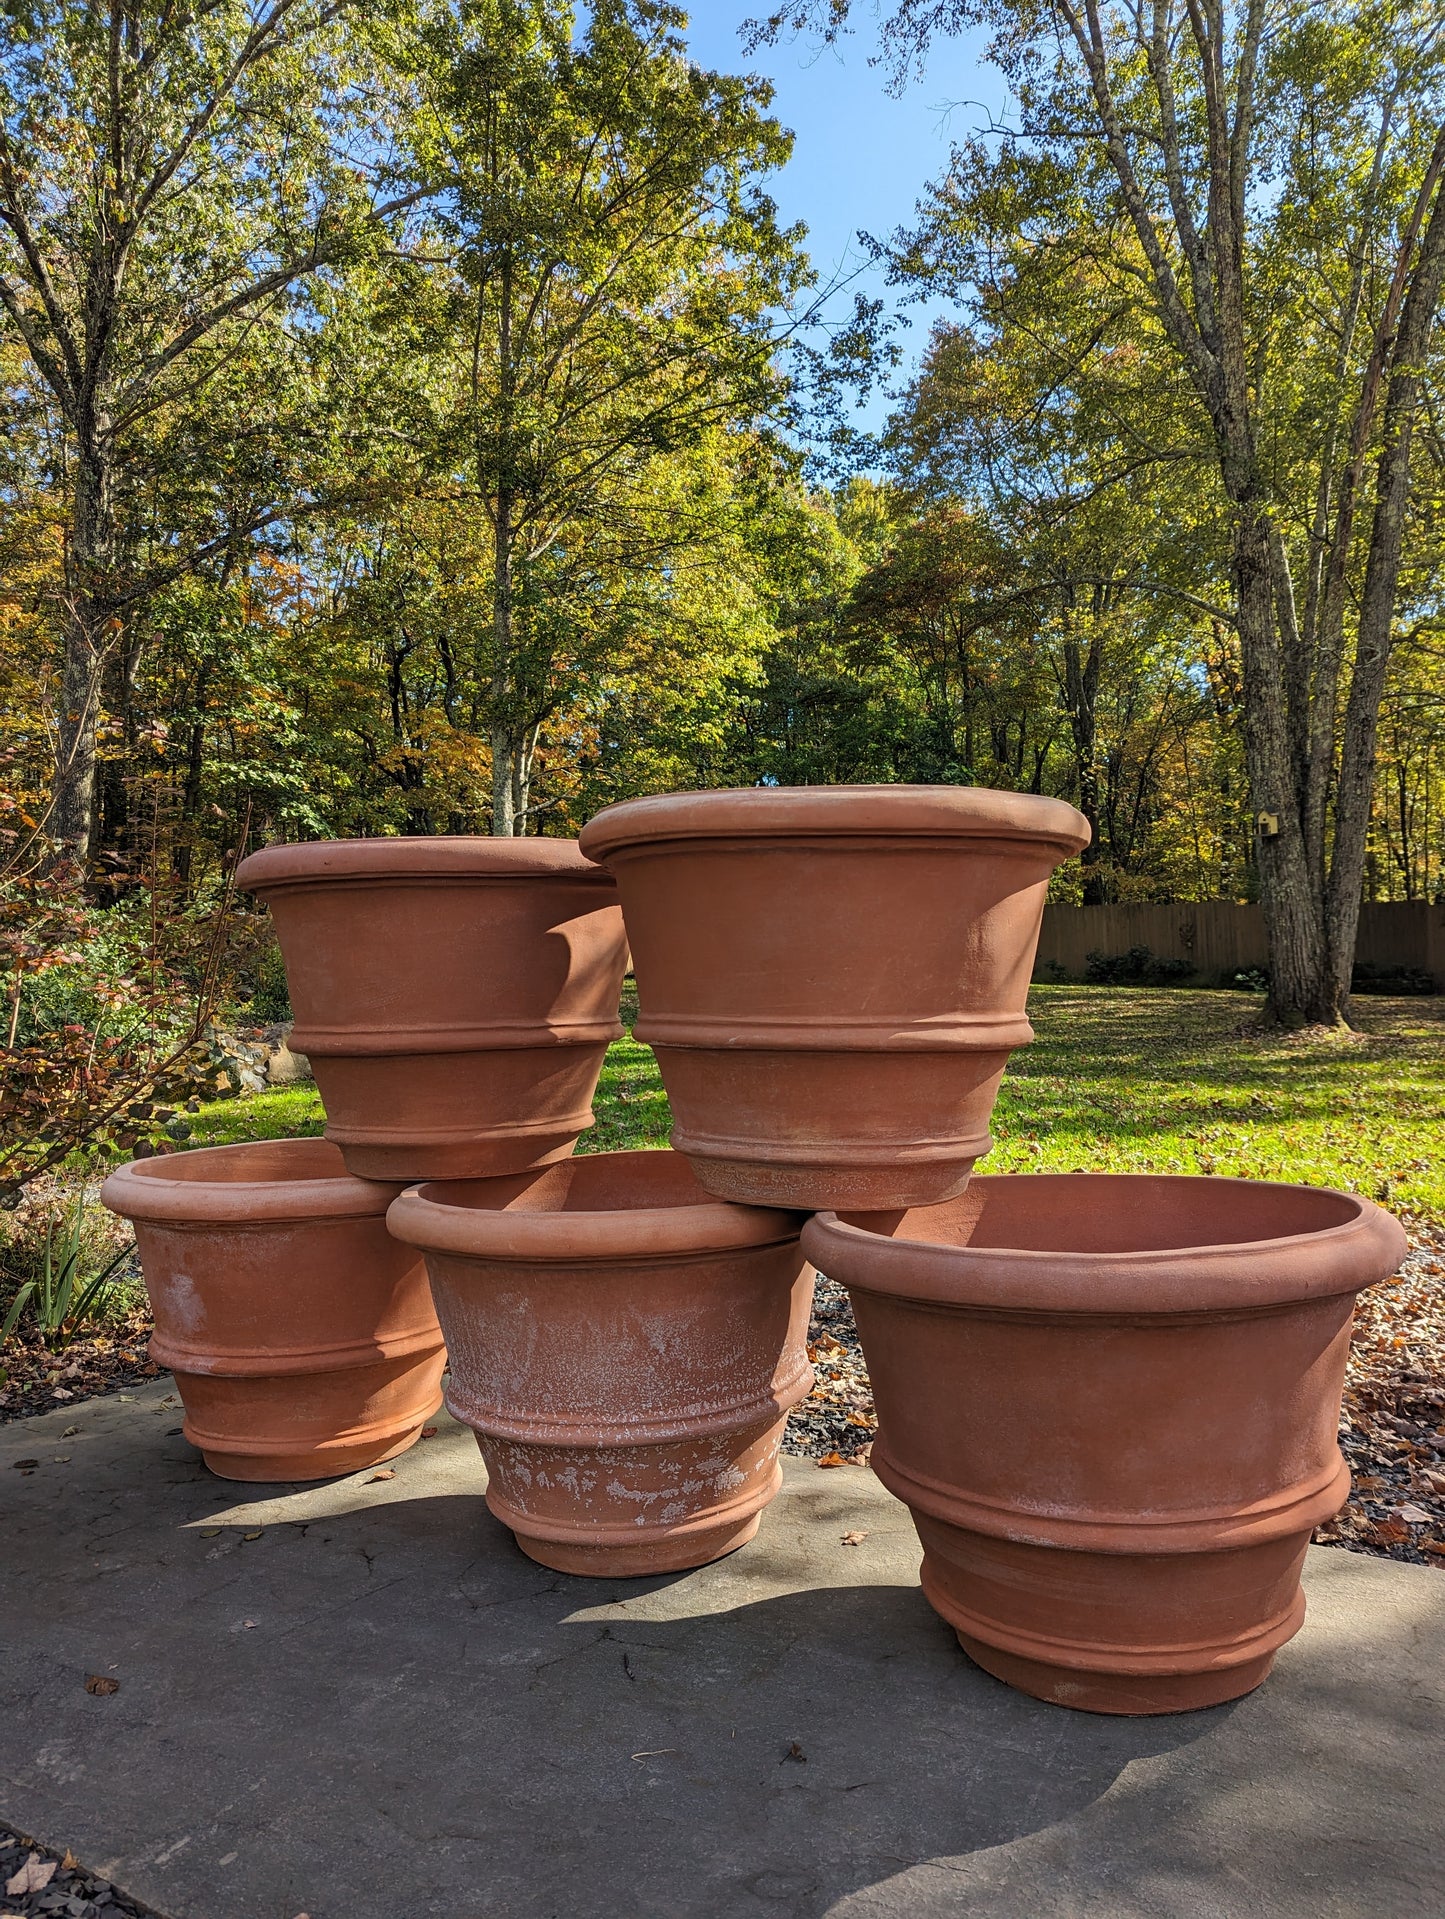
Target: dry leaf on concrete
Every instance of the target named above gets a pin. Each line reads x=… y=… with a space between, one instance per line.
x=387 y=1472
x=101 y=1684
x=854 y=1539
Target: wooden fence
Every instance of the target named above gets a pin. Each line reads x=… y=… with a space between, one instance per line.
x=1221 y=939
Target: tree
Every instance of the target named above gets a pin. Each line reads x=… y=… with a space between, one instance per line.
x=614 y=270
x=166 y=175
x=1278 y=168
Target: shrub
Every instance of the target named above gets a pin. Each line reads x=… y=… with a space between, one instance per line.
x=1138 y=967
x=271 y=996
x=1403 y=982
x=65 y=1267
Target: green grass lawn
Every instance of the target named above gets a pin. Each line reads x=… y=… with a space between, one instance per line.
x=1125 y=1079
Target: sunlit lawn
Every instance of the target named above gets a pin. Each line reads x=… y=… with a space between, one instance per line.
x=1125 y=1079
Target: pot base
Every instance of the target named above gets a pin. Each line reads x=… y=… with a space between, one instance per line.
x=301 y=1426
x=474 y=1159
x=1126 y=1695
x=680 y=1554
x=886 y=1187
x=320 y=1462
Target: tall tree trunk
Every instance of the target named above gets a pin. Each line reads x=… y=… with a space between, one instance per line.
x=1375 y=636
x=90 y=633
x=501 y=732
x=1299 y=992
x=1081 y=698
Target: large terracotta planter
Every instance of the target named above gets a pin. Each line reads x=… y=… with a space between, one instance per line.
x=301 y=1335
x=626 y=1351
x=1110 y=1403
x=833 y=977
x=455 y=997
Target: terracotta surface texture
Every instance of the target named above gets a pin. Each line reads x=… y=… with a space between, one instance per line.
x=626 y=1351
x=833 y=978
x=1110 y=1403
x=302 y=1336
x=455 y=996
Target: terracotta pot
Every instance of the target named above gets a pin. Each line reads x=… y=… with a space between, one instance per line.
x=455 y=997
x=833 y=977
x=626 y=1351
x=1110 y=1403
x=302 y=1336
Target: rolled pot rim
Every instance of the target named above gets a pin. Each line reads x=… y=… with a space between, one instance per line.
x=843 y=812
x=582 y=1235
x=142 y=1190
x=1343 y=1257
x=459 y=857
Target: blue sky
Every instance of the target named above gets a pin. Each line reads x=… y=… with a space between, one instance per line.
x=860 y=158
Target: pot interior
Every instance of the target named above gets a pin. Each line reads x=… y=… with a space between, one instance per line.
x=267 y=1161
x=1114 y=1213
x=590 y=1183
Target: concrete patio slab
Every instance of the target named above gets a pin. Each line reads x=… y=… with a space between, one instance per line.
x=359 y=1701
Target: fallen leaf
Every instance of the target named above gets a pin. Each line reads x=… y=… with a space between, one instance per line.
x=832 y=1459
x=254 y=1535
x=34 y=1876
x=1436 y=1546
x=861 y=1457
x=70 y=1432
x=1435 y=1481
x=1413 y=1516
x=1385 y=1532
x=62 y=1459
x=655 y=1752
x=795 y=1751
x=101 y=1685
x=61 y=1393
x=69 y=1863
x=854 y=1539
x=387 y=1472
x=211 y=1532
x=24 y=1465
x=248 y=1623
x=429 y=1432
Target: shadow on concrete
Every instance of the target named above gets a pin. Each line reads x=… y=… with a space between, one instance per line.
x=361 y=1701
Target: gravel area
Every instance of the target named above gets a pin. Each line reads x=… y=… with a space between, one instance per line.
x=1393 y=1429
x=36 y=1881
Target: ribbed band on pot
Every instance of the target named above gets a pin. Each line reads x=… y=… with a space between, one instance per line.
x=215 y=1362
x=1286 y=1510
x=589 y=1432
x=501 y=1036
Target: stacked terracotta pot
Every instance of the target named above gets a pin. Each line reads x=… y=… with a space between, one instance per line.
x=456 y=998
x=1109 y=1403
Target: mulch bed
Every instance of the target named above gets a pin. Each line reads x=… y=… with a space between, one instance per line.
x=35 y=1380
x=65 y=1891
